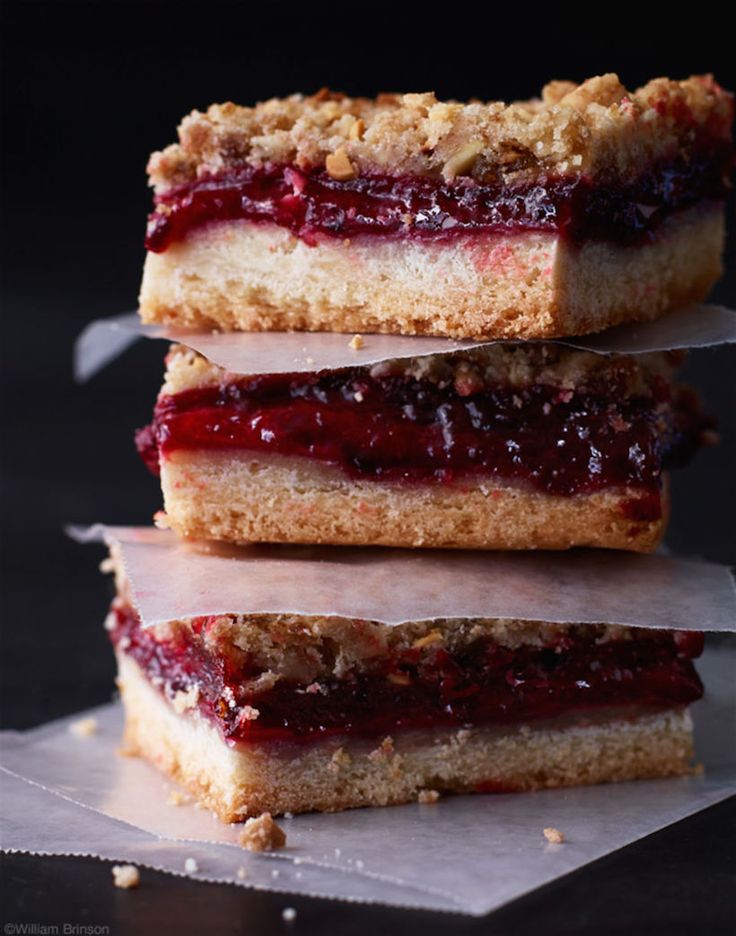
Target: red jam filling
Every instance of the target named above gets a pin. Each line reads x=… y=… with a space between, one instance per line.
x=420 y=688
x=311 y=204
x=407 y=430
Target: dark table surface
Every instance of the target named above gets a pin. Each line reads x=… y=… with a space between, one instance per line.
x=88 y=90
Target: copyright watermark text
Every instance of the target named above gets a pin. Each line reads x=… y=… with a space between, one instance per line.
x=55 y=929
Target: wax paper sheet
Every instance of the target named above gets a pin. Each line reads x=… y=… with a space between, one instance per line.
x=175 y=580
x=287 y=352
x=467 y=854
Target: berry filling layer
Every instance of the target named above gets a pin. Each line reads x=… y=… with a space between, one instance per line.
x=312 y=204
x=419 y=687
x=409 y=430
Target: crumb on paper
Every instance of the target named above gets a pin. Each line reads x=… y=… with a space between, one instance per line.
x=242 y=873
x=161 y=521
x=177 y=798
x=310 y=360
x=84 y=727
x=262 y=834
x=288 y=815
x=554 y=835
x=359 y=865
x=698 y=770
x=356 y=342
x=191 y=866
x=288 y=914
x=275 y=873
x=126 y=876
x=428 y=797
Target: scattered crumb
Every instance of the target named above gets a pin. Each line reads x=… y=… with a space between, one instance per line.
x=358 y=396
x=385 y=748
x=125 y=876
x=161 y=521
x=248 y=713
x=177 y=798
x=356 y=342
x=288 y=914
x=288 y=815
x=338 y=852
x=84 y=728
x=191 y=866
x=427 y=797
x=554 y=835
x=275 y=873
x=310 y=360
x=698 y=770
x=242 y=873
x=262 y=834
x=126 y=750
x=339 y=760
x=359 y=865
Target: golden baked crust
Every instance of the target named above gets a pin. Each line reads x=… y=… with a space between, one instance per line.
x=250 y=497
x=341 y=773
x=596 y=127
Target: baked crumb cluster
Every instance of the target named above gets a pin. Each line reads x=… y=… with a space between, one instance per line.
x=261 y=833
x=595 y=127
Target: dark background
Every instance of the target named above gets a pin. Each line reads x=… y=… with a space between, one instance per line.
x=88 y=91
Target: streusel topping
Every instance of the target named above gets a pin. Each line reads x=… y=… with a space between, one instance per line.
x=597 y=127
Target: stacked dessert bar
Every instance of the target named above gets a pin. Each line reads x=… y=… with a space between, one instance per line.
x=514 y=224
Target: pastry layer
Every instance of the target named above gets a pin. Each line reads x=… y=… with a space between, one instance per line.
x=241 y=275
x=236 y=781
x=247 y=497
x=508 y=446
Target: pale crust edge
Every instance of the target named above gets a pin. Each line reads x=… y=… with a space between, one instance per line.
x=248 y=498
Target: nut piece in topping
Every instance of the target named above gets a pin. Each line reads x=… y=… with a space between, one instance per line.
x=356 y=342
x=339 y=167
x=84 y=728
x=462 y=160
x=262 y=834
x=125 y=876
x=554 y=835
x=428 y=797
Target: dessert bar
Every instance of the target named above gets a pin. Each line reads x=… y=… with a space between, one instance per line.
x=508 y=446
x=287 y=713
x=563 y=215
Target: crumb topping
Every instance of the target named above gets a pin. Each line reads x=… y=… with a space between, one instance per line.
x=262 y=834
x=518 y=365
x=595 y=127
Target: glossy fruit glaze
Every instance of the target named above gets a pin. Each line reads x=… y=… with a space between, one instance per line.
x=312 y=204
x=408 y=430
x=422 y=687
